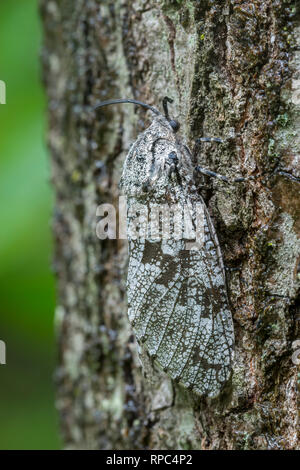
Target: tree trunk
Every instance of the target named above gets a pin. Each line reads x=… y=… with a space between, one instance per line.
x=232 y=68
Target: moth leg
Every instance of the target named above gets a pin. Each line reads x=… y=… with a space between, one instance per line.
x=212 y=174
x=208 y=139
x=204 y=171
x=231 y=269
x=272 y=294
x=204 y=139
x=287 y=175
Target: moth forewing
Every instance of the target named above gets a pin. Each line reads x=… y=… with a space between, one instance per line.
x=177 y=296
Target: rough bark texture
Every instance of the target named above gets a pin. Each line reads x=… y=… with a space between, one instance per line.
x=232 y=67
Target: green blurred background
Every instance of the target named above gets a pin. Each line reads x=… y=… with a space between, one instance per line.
x=27 y=295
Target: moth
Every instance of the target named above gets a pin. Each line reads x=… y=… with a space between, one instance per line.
x=177 y=298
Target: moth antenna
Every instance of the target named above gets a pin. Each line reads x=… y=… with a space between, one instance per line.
x=125 y=100
x=165 y=102
x=174 y=124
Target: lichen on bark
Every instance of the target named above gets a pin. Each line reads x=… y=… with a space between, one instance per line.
x=232 y=68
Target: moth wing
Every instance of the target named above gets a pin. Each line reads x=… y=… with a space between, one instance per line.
x=208 y=365
x=152 y=275
x=179 y=310
x=193 y=341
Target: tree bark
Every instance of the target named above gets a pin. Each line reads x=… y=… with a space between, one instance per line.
x=232 y=68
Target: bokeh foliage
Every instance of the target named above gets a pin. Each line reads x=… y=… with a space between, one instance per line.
x=27 y=295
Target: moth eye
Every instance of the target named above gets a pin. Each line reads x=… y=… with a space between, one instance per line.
x=174 y=124
x=173 y=157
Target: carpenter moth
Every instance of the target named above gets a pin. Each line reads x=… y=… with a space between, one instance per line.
x=177 y=297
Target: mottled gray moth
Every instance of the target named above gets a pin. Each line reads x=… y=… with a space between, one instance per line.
x=177 y=297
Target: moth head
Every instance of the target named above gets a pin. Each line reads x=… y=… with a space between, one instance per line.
x=174 y=125
x=154 y=157
x=151 y=160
